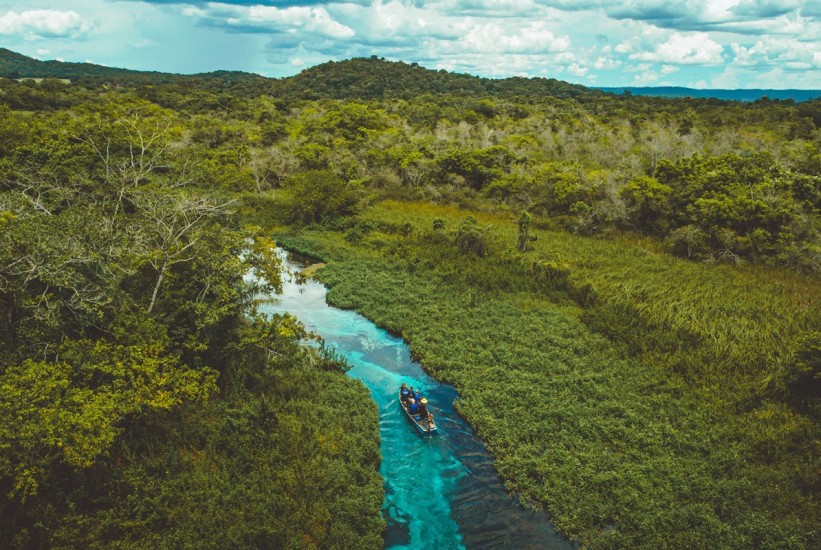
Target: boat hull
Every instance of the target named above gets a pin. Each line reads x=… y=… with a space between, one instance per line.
x=424 y=430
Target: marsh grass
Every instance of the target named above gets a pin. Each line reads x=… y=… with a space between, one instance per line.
x=634 y=396
x=743 y=319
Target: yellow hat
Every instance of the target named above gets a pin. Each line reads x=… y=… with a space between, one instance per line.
x=423 y=400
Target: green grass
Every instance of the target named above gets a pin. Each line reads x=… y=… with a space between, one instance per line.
x=626 y=393
x=747 y=318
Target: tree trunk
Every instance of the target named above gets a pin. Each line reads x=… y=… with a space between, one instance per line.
x=157 y=287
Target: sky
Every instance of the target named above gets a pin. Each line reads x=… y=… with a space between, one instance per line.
x=772 y=44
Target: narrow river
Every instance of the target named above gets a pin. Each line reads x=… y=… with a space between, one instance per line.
x=441 y=491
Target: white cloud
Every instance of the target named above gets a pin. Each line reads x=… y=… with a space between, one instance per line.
x=692 y=49
x=497 y=65
x=641 y=67
x=728 y=42
x=498 y=38
x=686 y=15
x=258 y=18
x=34 y=24
x=792 y=24
x=777 y=51
x=565 y=57
x=644 y=78
x=398 y=24
x=774 y=77
x=311 y=19
x=603 y=63
x=576 y=70
x=755 y=17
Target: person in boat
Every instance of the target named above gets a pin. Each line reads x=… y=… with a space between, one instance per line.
x=424 y=413
x=404 y=393
x=413 y=406
x=417 y=395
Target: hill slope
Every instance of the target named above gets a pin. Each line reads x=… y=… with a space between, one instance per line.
x=361 y=78
x=375 y=78
x=370 y=78
x=15 y=65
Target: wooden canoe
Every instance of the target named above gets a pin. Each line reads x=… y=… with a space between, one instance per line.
x=424 y=430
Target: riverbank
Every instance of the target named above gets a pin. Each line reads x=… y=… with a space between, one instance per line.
x=310 y=270
x=622 y=440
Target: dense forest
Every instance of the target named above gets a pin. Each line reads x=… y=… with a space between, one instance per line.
x=624 y=291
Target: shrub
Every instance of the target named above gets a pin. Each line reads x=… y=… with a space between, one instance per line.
x=472 y=238
x=319 y=196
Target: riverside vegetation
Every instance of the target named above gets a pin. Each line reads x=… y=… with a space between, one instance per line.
x=643 y=400
x=623 y=290
x=143 y=401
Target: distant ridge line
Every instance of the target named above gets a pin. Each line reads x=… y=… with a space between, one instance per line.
x=374 y=77
x=717 y=93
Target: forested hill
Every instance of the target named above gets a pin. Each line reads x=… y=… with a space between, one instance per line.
x=15 y=65
x=360 y=78
x=367 y=78
x=376 y=78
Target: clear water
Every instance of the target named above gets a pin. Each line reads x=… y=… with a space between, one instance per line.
x=442 y=491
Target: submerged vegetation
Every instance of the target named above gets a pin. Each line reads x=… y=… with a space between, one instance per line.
x=624 y=291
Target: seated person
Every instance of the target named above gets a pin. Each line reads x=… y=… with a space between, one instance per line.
x=413 y=407
x=425 y=415
x=404 y=393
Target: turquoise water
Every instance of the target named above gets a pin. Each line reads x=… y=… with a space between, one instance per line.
x=442 y=491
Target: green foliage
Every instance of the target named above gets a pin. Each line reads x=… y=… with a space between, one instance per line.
x=801 y=379
x=744 y=174
x=648 y=204
x=281 y=461
x=472 y=238
x=658 y=392
x=373 y=78
x=73 y=410
x=319 y=196
x=143 y=401
x=729 y=206
x=524 y=231
x=477 y=167
x=261 y=258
